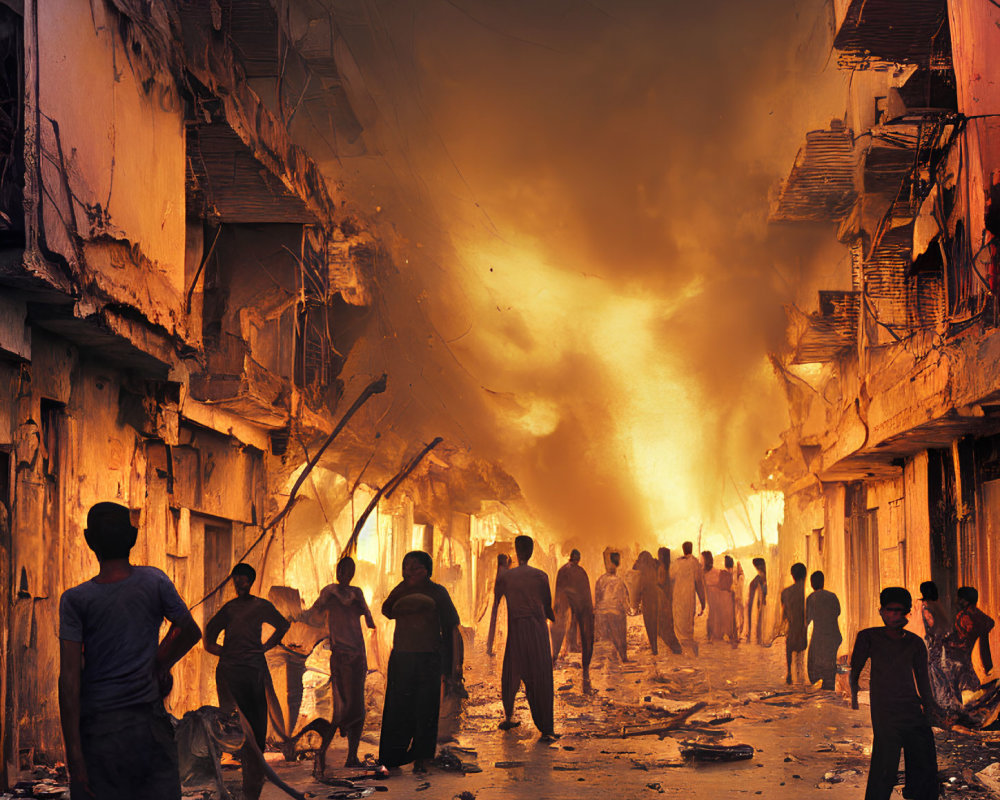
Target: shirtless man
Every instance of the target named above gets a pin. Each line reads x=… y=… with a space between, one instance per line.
x=344 y=605
x=241 y=676
x=528 y=655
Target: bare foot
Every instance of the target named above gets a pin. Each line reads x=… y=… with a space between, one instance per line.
x=352 y=761
x=507 y=724
x=419 y=766
x=548 y=737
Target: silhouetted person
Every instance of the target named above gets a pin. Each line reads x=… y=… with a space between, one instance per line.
x=649 y=597
x=118 y=737
x=241 y=676
x=575 y=605
x=739 y=607
x=527 y=657
x=971 y=626
x=503 y=564
x=665 y=585
x=688 y=582
x=611 y=604
x=756 y=600
x=900 y=702
x=726 y=604
x=344 y=606
x=936 y=629
x=793 y=612
x=424 y=649
x=823 y=611
x=710 y=575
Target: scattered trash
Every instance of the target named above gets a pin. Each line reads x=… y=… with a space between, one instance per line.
x=699 y=751
x=508 y=764
x=423 y=787
x=655 y=787
x=466 y=795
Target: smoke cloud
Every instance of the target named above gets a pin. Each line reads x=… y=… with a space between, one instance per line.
x=582 y=285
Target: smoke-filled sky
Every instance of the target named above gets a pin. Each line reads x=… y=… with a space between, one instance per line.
x=575 y=193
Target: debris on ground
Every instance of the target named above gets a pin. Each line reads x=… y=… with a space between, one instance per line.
x=699 y=751
x=452 y=758
x=664 y=726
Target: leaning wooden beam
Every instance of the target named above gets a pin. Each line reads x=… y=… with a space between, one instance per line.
x=386 y=491
x=375 y=387
x=268 y=769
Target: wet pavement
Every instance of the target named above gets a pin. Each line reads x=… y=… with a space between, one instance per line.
x=798 y=736
x=804 y=740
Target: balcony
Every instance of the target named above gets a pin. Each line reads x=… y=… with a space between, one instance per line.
x=831 y=331
x=872 y=33
x=821 y=184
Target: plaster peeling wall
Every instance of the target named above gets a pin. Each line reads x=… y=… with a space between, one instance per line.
x=98 y=133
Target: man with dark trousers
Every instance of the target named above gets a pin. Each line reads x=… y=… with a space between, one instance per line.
x=528 y=654
x=901 y=700
x=793 y=613
x=573 y=601
x=113 y=675
x=241 y=676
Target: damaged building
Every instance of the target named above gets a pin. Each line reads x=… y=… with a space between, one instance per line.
x=891 y=465
x=181 y=288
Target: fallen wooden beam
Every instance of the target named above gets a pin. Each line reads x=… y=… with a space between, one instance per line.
x=663 y=727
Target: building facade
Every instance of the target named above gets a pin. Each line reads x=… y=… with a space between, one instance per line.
x=179 y=290
x=890 y=465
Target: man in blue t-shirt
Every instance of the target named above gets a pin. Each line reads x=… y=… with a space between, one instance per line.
x=114 y=672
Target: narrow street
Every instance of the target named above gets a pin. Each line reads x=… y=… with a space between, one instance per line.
x=805 y=741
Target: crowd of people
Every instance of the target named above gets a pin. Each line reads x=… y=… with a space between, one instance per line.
x=114 y=672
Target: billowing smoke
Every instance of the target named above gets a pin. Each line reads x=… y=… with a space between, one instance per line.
x=581 y=284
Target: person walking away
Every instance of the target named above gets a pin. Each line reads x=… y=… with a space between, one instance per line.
x=756 y=600
x=823 y=611
x=901 y=701
x=971 y=626
x=241 y=676
x=793 y=614
x=575 y=605
x=527 y=657
x=936 y=628
x=611 y=604
x=664 y=583
x=711 y=578
x=688 y=583
x=739 y=607
x=649 y=597
x=118 y=738
x=726 y=613
x=503 y=564
x=425 y=647
x=344 y=606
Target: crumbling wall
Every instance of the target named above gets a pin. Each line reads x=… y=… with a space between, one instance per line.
x=96 y=134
